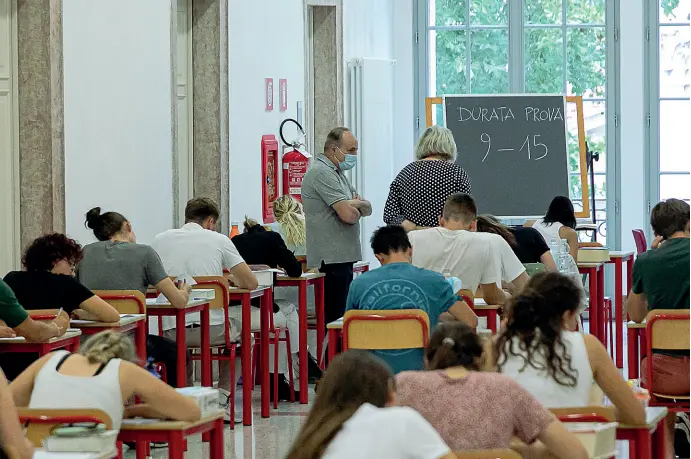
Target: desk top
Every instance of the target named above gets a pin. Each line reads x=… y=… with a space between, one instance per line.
x=154 y=424
x=151 y=303
x=632 y=324
x=42 y=454
x=125 y=319
x=360 y=264
x=590 y=264
x=259 y=289
x=480 y=303
x=70 y=333
x=304 y=277
x=336 y=324
x=620 y=253
x=653 y=415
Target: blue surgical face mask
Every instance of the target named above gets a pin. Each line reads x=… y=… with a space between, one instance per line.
x=349 y=162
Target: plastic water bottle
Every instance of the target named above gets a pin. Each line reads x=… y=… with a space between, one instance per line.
x=564 y=262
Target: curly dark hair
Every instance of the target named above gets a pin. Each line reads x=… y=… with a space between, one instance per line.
x=46 y=251
x=535 y=318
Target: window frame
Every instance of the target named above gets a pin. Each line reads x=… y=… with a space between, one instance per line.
x=516 y=61
x=651 y=61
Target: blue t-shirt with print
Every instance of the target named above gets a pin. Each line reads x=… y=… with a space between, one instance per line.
x=402 y=286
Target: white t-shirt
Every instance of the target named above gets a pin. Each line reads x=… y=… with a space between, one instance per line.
x=382 y=433
x=511 y=266
x=463 y=254
x=195 y=251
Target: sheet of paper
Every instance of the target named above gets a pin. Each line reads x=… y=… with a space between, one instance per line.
x=140 y=421
x=41 y=454
x=81 y=322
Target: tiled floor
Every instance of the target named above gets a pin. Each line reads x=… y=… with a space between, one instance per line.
x=271 y=438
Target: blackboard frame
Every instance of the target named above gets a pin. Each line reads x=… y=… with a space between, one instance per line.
x=578 y=100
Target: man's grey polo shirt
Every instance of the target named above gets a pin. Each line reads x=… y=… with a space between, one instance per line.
x=329 y=239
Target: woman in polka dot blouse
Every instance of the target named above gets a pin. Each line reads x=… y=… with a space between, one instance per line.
x=417 y=194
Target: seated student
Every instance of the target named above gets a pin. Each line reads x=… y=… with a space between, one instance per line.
x=16 y=319
x=49 y=283
x=11 y=435
x=197 y=250
x=257 y=246
x=49 y=280
x=472 y=409
x=527 y=243
x=558 y=366
x=559 y=223
x=455 y=248
x=117 y=262
x=661 y=281
x=102 y=376
x=399 y=285
x=354 y=416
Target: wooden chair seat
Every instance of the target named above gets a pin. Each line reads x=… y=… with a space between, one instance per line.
x=41 y=422
x=385 y=329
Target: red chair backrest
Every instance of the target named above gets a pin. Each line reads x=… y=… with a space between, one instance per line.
x=639 y=239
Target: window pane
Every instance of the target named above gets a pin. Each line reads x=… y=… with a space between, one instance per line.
x=674 y=135
x=447 y=52
x=542 y=12
x=489 y=61
x=573 y=152
x=446 y=12
x=675 y=186
x=675 y=10
x=675 y=60
x=586 y=61
x=544 y=66
x=585 y=11
x=489 y=12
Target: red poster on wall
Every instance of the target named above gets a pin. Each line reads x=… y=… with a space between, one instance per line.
x=283 y=94
x=269 y=92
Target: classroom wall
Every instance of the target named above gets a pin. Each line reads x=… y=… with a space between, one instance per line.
x=264 y=42
x=118 y=138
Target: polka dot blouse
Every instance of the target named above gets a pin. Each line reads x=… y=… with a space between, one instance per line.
x=419 y=191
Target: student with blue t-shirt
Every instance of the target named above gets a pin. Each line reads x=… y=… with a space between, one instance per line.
x=397 y=284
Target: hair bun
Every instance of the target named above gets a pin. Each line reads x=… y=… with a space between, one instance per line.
x=92 y=217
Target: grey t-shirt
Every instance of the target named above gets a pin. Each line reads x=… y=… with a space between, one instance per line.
x=109 y=265
x=329 y=239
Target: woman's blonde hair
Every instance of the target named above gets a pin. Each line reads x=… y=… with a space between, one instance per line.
x=108 y=345
x=249 y=223
x=436 y=141
x=288 y=213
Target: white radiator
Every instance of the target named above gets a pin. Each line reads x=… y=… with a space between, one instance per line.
x=371 y=105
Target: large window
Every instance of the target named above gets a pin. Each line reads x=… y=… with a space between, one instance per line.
x=551 y=46
x=674 y=98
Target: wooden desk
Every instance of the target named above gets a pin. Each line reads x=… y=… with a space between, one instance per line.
x=316 y=279
x=127 y=323
x=618 y=258
x=158 y=309
x=491 y=312
x=69 y=341
x=635 y=337
x=174 y=433
x=265 y=309
x=361 y=267
x=648 y=440
x=596 y=304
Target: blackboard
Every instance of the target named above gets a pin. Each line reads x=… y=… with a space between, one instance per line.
x=513 y=147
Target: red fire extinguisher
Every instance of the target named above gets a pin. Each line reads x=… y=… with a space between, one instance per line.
x=295 y=163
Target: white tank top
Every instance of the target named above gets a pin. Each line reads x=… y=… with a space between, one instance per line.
x=548 y=230
x=542 y=385
x=56 y=390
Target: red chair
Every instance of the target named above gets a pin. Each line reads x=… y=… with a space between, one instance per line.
x=639 y=239
x=386 y=329
x=227 y=350
x=274 y=339
x=666 y=329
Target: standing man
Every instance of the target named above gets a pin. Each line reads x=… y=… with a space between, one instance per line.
x=332 y=216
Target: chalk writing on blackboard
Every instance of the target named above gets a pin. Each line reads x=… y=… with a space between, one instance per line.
x=541 y=147
x=484 y=114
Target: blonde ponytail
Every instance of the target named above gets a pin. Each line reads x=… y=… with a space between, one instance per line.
x=108 y=345
x=249 y=223
x=288 y=213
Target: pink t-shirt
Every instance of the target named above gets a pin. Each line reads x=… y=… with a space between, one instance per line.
x=480 y=411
